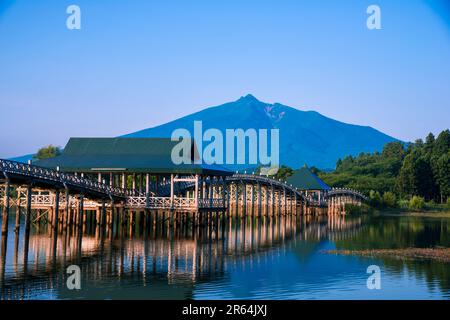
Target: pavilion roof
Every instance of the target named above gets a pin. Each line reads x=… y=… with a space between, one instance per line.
x=304 y=179
x=139 y=155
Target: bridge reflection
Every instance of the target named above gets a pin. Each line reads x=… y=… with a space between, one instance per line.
x=154 y=255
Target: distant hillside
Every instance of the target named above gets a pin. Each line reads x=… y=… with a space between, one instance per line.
x=306 y=137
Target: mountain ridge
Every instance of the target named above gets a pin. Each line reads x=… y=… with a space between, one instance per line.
x=306 y=136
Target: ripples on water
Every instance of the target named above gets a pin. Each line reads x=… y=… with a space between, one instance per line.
x=280 y=258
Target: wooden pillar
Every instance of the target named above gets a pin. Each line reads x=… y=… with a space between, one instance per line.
x=27 y=225
x=295 y=203
x=171 y=190
x=55 y=213
x=80 y=212
x=28 y=212
x=124 y=181
x=6 y=205
x=147 y=190
x=259 y=197
x=67 y=208
x=252 y=197
x=224 y=193
x=141 y=178
x=196 y=191
x=111 y=220
x=244 y=199
x=18 y=209
x=103 y=216
x=236 y=192
x=210 y=192
x=273 y=200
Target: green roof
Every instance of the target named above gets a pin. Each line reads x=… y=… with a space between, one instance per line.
x=142 y=155
x=304 y=179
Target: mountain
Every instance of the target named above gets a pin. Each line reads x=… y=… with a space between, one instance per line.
x=306 y=137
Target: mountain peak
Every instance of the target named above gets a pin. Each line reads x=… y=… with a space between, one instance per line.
x=249 y=98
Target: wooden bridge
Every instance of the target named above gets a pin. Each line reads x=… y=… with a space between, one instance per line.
x=38 y=190
x=178 y=193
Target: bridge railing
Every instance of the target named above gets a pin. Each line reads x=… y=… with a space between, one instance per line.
x=348 y=191
x=266 y=180
x=36 y=172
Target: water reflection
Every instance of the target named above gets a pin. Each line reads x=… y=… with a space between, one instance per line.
x=268 y=257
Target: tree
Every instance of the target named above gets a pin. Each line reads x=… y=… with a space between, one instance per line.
x=283 y=173
x=443 y=175
x=47 y=152
x=442 y=143
x=406 y=183
x=429 y=143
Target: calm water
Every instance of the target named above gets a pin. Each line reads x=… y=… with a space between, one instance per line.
x=259 y=259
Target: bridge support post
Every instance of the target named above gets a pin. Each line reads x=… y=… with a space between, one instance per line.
x=55 y=221
x=18 y=211
x=80 y=212
x=55 y=212
x=103 y=215
x=6 y=208
x=236 y=191
x=273 y=201
x=252 y=201
x=259 y=200
x=295 y=203
x=244 y=199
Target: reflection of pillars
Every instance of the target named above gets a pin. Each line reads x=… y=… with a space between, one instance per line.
x=111 y=221
x=285 y=201
x=103 y=214
x=27 y=226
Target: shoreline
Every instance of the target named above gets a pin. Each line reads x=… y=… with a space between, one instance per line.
x=434 y=254
x=425 y=214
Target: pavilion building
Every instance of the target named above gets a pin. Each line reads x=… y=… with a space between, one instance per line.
x=144 y=165
x=305 y=180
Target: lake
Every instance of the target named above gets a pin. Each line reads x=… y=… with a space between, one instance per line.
x=264 y=258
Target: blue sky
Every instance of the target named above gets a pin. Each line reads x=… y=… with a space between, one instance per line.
x=137 y=64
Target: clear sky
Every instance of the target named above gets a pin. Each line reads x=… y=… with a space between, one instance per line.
x=136 y=64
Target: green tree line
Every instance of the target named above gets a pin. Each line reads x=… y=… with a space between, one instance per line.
x=416 y=171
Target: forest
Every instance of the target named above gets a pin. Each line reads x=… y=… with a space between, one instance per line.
x=413 y=173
